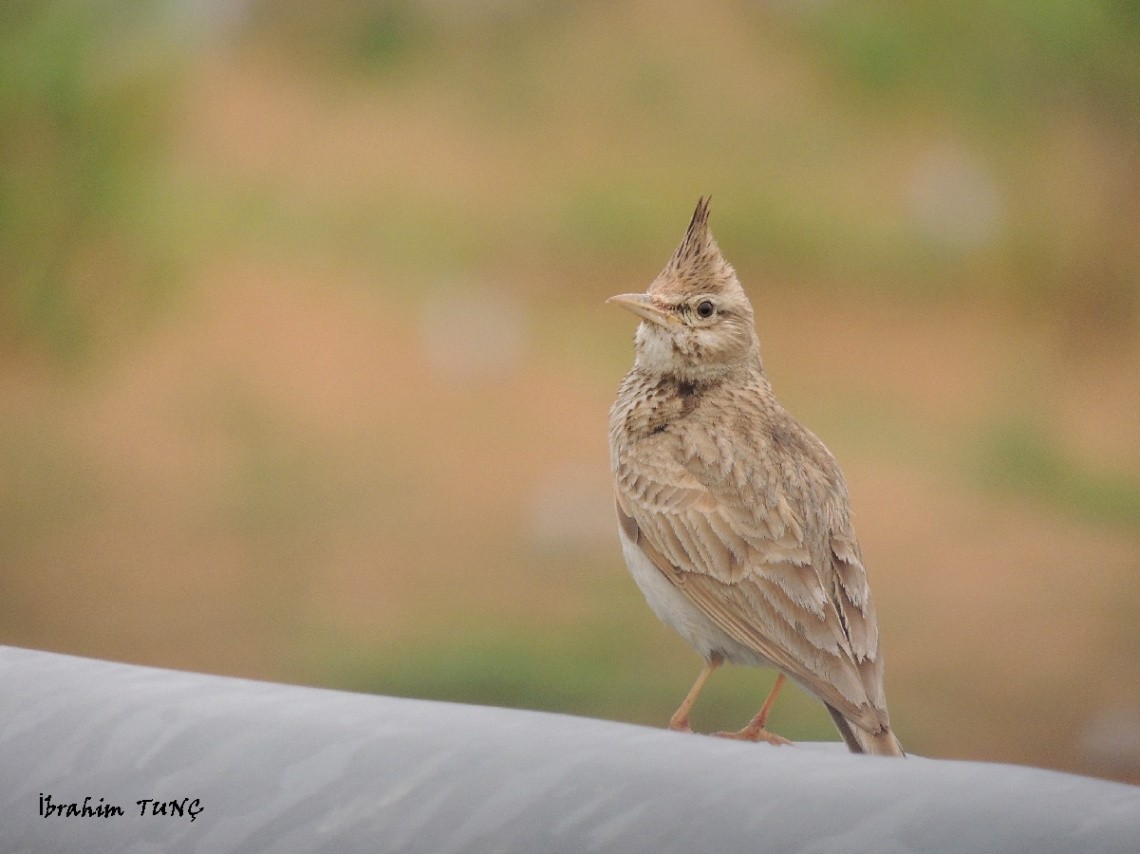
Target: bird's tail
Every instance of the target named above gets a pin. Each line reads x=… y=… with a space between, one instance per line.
x=881 y=743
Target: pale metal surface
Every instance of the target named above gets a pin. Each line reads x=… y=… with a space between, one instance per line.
x=277 y=768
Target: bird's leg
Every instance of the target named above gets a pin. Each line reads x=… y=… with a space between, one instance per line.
x=680 y=719
x=755 y=730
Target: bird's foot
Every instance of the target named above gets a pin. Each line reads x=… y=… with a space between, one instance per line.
x=750 y=733
x=680 y=724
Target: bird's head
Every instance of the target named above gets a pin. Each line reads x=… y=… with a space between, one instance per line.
x=697 y=321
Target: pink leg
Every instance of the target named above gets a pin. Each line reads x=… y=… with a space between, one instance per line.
x=755 y=730
x=680 y=719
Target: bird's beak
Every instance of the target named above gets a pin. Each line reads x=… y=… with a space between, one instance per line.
x=641 y=305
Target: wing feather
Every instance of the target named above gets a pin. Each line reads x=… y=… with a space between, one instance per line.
x=751 y=572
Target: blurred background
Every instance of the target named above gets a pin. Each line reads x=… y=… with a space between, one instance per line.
x=305 y=369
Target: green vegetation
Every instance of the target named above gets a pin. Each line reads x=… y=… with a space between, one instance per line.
x=604 y=671
x=801 y=123
x=992 y=56
x=618 y=122
x=85 y=92
x=1019 y=457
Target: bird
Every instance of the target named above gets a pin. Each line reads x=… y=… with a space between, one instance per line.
x=734 y=519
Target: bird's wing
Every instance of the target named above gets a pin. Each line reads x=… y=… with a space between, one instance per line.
x=748 y=569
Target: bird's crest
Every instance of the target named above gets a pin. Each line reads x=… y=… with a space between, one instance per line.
x=698 y=257
x=697 y=241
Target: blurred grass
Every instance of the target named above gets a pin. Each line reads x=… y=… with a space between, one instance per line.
x=587 y=87
x=1003 y=59
x=1018 y=457
x=1018 y=75
x=605 y=670
x=577 y=91
x=85 y=97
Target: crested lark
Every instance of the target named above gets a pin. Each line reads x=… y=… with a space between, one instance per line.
x=734 y=519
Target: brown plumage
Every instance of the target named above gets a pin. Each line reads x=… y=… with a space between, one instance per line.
x=734 y=518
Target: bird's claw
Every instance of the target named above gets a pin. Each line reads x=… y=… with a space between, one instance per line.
x=757 y=734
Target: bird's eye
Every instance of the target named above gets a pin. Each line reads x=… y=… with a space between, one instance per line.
x=705 y=308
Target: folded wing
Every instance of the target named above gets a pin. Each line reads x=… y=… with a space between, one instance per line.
x=749 y=569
